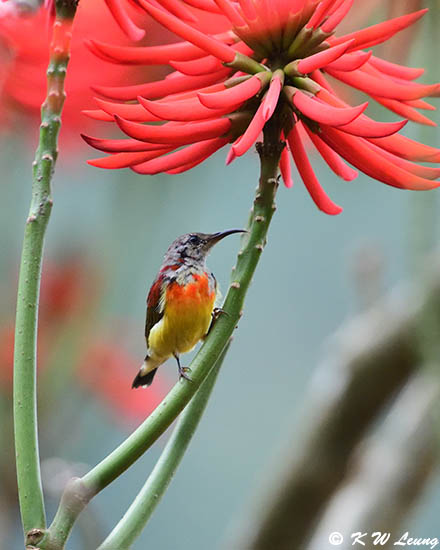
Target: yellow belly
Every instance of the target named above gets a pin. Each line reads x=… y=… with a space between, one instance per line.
x=186 y=320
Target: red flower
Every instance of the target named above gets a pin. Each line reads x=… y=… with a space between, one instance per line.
x=24 y=61
x=107 y=370
x=275 y=56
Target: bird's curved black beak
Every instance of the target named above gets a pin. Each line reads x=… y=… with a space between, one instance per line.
x=216 y=237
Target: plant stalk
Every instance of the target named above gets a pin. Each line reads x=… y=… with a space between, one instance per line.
x=134 y=520
x=25 y=399
x=81 y=490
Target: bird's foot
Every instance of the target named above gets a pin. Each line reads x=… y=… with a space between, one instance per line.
x=217 y=311
x=183 y=373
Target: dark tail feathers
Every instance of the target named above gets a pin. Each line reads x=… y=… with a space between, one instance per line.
x=143 y=379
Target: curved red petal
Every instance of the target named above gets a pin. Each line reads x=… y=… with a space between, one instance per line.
x=119 y=145
x=321 y=59
x=162 y=88
x=393 y=69
x=351 y=61
x=376 y=34
x=338 y=15
x=372 y=85
x=130 y=111
x=123 y=19
x=232 y=96
x=332 y=159
x=271 y=98
x=358 y=153
x=185 y=110
x=405 y=110
x=319 y=196
x=124 y=160
x=326 y=114
x=192 y=153
x=167 y=133
x=245 y=142
x=408 y=148
x=197 y=67
x=285 y=168
x=200 y=39
x=145 y=55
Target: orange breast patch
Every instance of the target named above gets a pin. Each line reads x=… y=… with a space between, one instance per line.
x=191 y=294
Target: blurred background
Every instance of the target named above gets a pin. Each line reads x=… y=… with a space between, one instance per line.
x=106 y=239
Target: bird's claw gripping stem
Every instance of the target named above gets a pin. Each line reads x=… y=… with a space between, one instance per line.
x=183 y=371
x=217 y=311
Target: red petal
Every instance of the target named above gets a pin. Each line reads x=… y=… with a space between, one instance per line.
x=321 y=59
x=193 y=153
x=338 y=15
x=285 y=168
x=178 y=9
x=150 y=55
x=162 y=88
x=351 y=61
x=407 y=148
x=230 y=97
x=185 y=110
x=372 y=85
x=319 y=13
x=231 y=156
x=119 y=145
x=358 y=153
x=332 y=159
x=324 y=113
x=420 y=104
x=123 y=160
x=426 y=172
x=307 y=174
x=376 y=34
x=363 y=125
x=405 y=110
x=97 y=114
x=184 y=167
x=245 y=142
x=396 y=70
x=184 y=134
x=228 y=9
x=124 y=21
x=129 y=111
x=205 y=5
x=366 y=127
x=271 y=98
x=200 y=39
x=197 y=67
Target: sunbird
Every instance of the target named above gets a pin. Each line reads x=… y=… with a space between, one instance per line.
x=180 y=303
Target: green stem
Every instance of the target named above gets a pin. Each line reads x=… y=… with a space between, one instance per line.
x=25 y=401
x=80 y=491
x=140 y=511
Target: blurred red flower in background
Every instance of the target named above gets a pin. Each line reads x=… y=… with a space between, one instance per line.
x=106 y=371
x=274 y=58
x=101 y=365
x=24 y=49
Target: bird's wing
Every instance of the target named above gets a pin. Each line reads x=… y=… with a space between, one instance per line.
x=154 y=305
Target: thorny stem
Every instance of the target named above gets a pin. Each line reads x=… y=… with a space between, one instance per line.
x=134 y=520
x=25 y=406
x=80 y=491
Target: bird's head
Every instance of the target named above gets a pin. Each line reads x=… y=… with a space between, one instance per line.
x=194 y=247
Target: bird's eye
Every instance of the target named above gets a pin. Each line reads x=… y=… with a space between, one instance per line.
x=194 y=239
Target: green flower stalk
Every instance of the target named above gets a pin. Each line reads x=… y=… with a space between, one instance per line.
x=25 y=406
